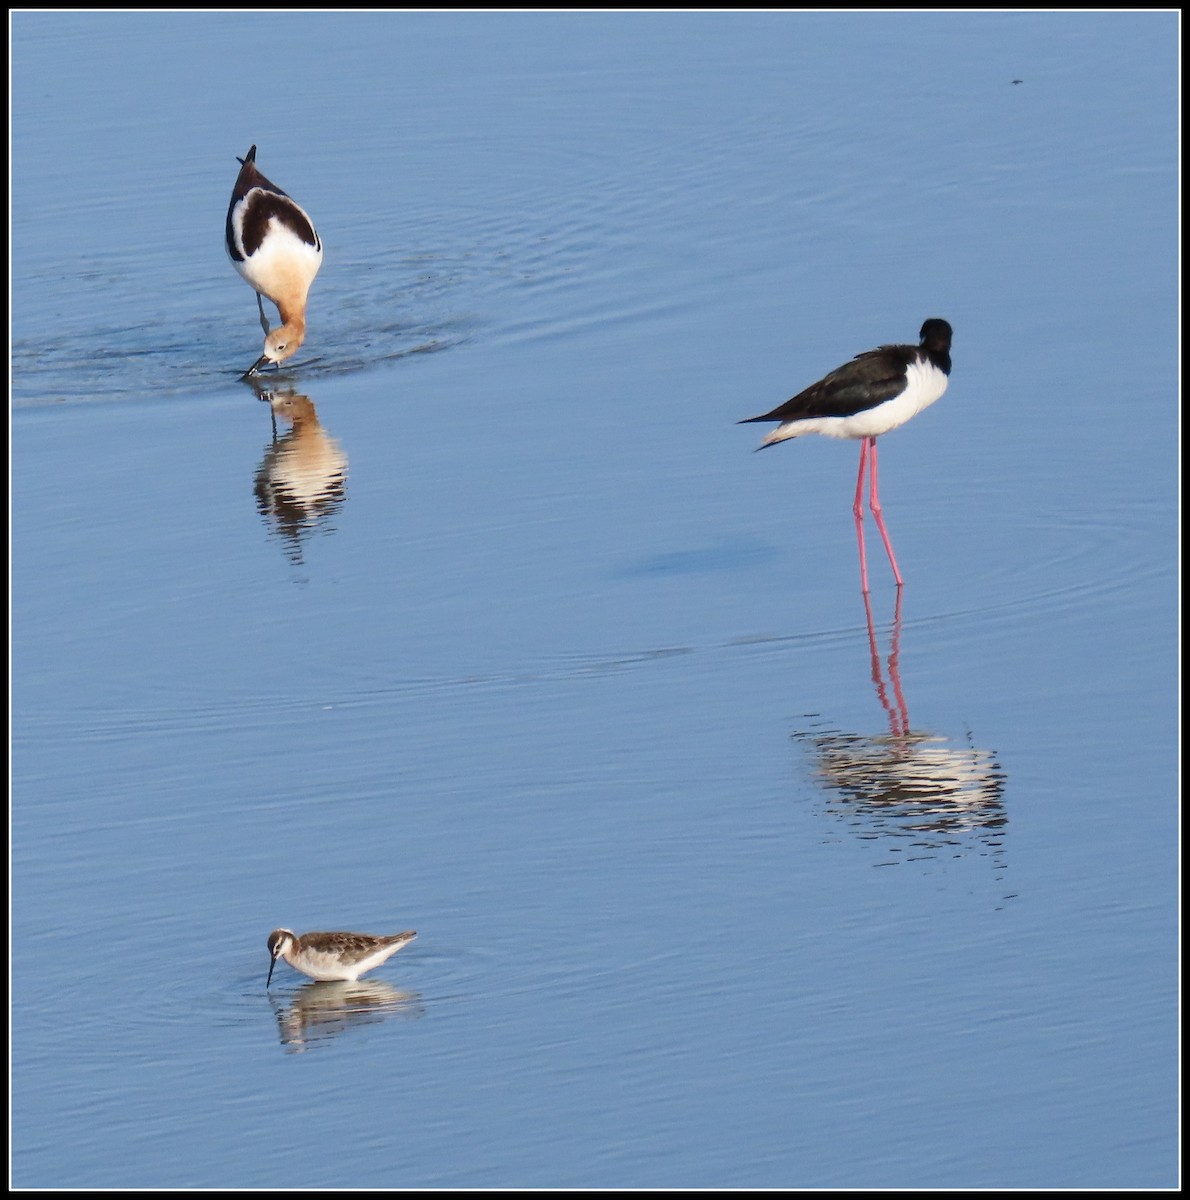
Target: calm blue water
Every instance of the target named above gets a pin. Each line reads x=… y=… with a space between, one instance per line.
x=484 y=619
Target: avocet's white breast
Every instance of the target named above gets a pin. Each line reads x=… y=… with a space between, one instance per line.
x=282 y=262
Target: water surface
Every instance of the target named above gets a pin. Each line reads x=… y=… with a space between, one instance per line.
x=483 y=618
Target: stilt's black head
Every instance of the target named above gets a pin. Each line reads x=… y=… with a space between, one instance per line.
x=935 y=336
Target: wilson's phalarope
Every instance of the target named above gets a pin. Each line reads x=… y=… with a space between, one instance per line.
x=327 y=956
x=273 y=244
x=873 y=393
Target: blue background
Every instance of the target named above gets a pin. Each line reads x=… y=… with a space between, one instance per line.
x=562 y=675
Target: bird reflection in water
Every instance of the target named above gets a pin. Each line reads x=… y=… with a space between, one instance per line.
x=317 y=1012
x=917 y=791
x=302 y=478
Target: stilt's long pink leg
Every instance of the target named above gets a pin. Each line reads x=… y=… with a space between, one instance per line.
x=898 y=715
x=858 y=509
x=877 y=675
x=894 y=668
x=876 y=511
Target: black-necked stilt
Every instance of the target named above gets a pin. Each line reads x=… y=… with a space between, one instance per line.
x=873 y=393
x=273 y=244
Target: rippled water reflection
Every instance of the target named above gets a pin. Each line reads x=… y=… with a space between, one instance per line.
x=301 y=483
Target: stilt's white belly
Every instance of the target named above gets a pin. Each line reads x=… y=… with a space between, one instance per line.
x=924 y=384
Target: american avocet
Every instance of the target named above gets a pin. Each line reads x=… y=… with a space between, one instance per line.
x=873 y=393
x=333 y=955
x=273 y=244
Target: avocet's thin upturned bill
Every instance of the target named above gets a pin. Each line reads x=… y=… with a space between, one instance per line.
x=873 y=393
x=328 y=956
x=273 y=244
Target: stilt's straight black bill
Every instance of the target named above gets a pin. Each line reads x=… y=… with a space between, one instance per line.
x=272 y=964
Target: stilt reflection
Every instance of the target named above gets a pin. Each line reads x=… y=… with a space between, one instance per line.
x=917 y=792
